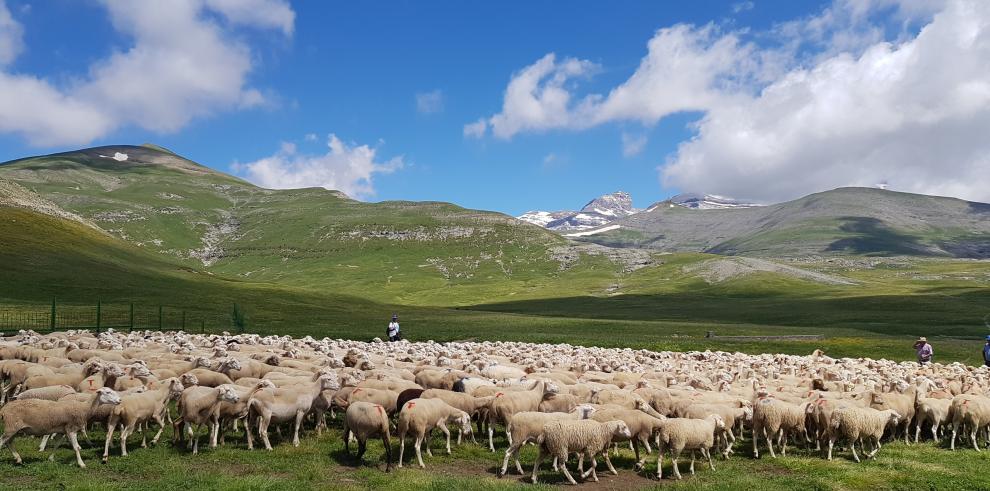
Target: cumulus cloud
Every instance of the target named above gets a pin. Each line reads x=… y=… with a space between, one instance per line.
x=11 y=36
x=180 y=65
x=269 y=14
x=346 y=168
x=742 y=6
x=476 y=129
x=863 y=92
x=913 y=114
x=429 y=102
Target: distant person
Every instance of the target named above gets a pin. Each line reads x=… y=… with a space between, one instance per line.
x=393 y=332
x=924 y=350
x=986 y=352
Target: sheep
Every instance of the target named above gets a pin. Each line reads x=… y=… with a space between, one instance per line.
x=288 y=404
x=973 y=411
x=420 y=416
x=50 y=393
x=780 y=418
x=679 y=434
x=855 y=423
x=39 y=417
x=465 y=402
x=586 y=437
x=364 y=420
x=932 y=411
x=214 y=378
x=508 y=403
x=641 y=426
x=527 y=426
x=732 y=416
x=138 y=409
x=198 y=406
x=234 y=411
x=903 y=402
x=383 y=397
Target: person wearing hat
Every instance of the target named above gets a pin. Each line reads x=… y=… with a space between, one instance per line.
x=924 y=350
x=393 y=332
x=986 y=352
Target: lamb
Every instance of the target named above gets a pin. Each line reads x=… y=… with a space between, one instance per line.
x=681 y=434
x=855 y=423
x=198 y=406
x=586 y=437
x=364 y=420
x=39 y=417
x=527 y=426
x=138 y=409
x=420 y=416
x=50 y=393
x=773 y=418
x=932 y=411
x=971 y=410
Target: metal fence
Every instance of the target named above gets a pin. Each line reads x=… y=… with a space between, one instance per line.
x=117 y=316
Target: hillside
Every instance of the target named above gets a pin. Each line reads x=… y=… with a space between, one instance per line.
x=844 y=221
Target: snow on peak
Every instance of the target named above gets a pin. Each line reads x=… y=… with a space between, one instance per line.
x=707 y=202
x=597 y=213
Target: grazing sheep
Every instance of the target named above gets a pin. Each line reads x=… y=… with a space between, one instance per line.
x=586 y=437
x=39 y=417
x=856 y=423
x=931 y=411
x=679 y=434
x=420 y=416
x=364 y=420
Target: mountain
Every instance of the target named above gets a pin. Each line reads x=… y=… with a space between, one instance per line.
x=857 y=221
x=598 y=212
x=189 y=214
x=705 y=202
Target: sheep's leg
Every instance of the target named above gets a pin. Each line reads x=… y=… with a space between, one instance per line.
x=77 y=448
x=674 y=454
x=692 y=462
x=161 y=428
x=247 y=431
x=955 y=427
x=594 y=465
x=402 y=447
x=536 y=464
x=263 y=431
x=491 y=434
x=362 y=447
x=635 y=447
x=917 y=432
x=660 y=451
x=769 y=443
x=446 y=431
x=44 y=442
x=7 y=440
x=563 y=468
x=510 y=452
x=109 y=440
x=935 y=430
x=756 y=439
x=419 y=454
x=295 y=436
x=783 y=443
x=972 y=436
x=708 y=453
x=195 y=438
x=831 y=443
x=608 y=462
x=876 y=447
x=124 y=433
x=57 y=443
x=852 y=445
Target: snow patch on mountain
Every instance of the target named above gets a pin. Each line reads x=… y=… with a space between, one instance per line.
x=709 y=202
x=598 y=212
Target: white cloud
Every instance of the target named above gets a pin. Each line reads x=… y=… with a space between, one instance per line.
x=181 y=65
x=742 y=6
x=269 y=14
x=633 y=145
x=346 y=168
x=476 y=129
x=860 y=93
x=310 y=137
x=913 y=114
x=11 y=36
x=429 y=102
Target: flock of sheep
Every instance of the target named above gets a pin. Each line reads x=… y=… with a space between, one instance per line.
x=567 y=400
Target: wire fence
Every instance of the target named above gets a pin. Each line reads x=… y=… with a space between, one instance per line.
x=118 y=316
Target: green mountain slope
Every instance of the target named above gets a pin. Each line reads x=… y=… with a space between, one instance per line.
x=413 y=253
x=844 y=221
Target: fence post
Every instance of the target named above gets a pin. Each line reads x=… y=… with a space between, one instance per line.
x=160 y=318
x=52 y=324
x=98 y=317
x=130 y=328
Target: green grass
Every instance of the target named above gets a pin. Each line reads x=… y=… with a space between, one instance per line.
x=321 y=463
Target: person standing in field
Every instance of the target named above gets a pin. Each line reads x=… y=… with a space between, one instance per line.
x=393 y=332
x=986 y=352
x=924 y=350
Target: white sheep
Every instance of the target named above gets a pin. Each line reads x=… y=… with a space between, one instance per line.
x=586 y=437
x=420 y=416
x=527 y=426
x=140 y=409
x=858 y=423
x=931 y=411
x=50 y=393
x=679 y=434
x=39 y=417
x=972 y=411
x=364 y=420
x=198 y=406
x=773 y=418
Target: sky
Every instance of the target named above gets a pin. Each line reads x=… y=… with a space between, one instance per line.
x=516 y=106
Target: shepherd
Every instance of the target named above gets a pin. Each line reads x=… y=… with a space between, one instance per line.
x=924 y=350
x=393 y=332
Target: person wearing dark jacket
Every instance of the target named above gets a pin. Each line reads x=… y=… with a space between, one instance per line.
x=986 y=352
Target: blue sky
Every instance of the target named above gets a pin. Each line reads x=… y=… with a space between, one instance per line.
x=256 y=87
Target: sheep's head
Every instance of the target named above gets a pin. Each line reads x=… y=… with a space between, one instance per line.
x=106 y=395
x=228 y=394
x=894 y=418
x=202 y=361
x=175 y=388
x=328 y=382
x=585 y=410
x=464 y=420
x=719 y=422
x=189 y=380
x=621 y=430
x=229 y=363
